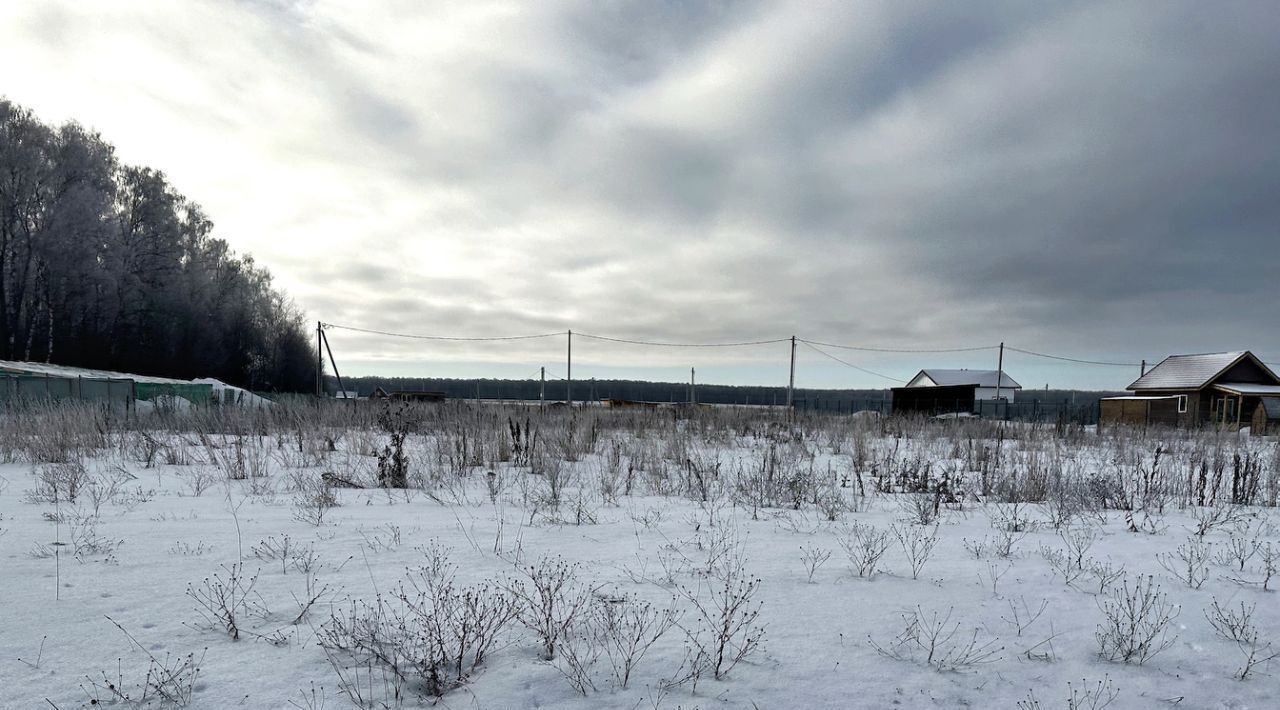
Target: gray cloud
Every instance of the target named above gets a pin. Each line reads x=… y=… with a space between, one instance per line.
x=1096 y=178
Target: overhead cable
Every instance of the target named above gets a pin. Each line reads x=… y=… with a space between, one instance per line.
x=441 y=337
x=899 y=350
x=848 y=364
x=1072 y=359
x=681 y=345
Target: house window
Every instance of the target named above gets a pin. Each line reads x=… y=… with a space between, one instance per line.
x=1182 y=404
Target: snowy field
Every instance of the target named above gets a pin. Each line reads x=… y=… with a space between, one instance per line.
x=630 y=559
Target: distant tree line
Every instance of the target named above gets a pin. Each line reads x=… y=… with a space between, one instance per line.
x=106 y=265
x=584 y=390
x=1045 y=403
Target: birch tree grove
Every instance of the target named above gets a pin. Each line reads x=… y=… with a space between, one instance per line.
x=105 y=265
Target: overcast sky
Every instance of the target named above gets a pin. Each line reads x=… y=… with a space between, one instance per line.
x=1091 y=179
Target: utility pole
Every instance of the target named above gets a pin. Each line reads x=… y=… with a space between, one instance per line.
x=319 y=359
x=693 y=397
x=542 y=387
x=568 y=387
x=999 y=372
x=791 y=383
x=333 y=361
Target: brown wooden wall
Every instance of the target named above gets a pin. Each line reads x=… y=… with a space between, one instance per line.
x=1139 y=412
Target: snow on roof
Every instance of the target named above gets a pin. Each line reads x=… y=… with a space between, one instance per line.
x=1137 y=398
x=980 y=378
x=42 y=369
x=230 y=394
x=1249 y=388
x=1180 y=372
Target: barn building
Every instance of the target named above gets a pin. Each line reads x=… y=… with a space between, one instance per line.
x=937 y=391
x=1218 y=389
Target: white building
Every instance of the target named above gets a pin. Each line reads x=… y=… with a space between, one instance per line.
x=984 y=380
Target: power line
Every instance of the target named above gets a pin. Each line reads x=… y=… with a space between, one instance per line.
x=849 y=364
x=681 y=345
x=899 y=350
x=1072 y=359
x=441 y=337
x=812 y=344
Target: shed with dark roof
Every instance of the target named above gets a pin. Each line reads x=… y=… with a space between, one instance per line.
x=937 y=391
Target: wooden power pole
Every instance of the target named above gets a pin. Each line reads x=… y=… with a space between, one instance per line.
x=791 y=383
x=319 y=359
x=568 y=386
x=999 y=372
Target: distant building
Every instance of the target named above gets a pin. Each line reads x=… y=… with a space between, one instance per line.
x=938 y=391
x=408 y=396
x=1266 y=418
x=983 y=382
x=1219 y=389
x=35 y=380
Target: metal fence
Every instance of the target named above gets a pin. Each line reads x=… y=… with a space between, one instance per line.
x=31 y=388
x=1032 y=410
x=192 y=392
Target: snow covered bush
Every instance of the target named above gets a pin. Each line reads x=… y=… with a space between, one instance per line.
x=226 y=600
x=724 y=627
x=312 y=502
x=917 y=545
x=167 y=683
x=935 y=641
x=1136 y=621
x=431 y=633
x=1188 y=563
x=58 y=483
x=1085 y=696
x=619 y=629
x=813 y=558
x=865 y=545
x=550 y=599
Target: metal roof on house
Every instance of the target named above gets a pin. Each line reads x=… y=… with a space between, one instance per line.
x=1186 y=372
x=1249 y=388
x=979 y=378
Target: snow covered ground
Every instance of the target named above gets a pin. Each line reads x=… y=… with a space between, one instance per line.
x=645 y=516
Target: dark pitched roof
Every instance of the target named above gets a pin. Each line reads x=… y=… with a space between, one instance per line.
x=1189 y=372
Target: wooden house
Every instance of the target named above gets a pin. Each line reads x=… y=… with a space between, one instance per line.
x=1209 y=389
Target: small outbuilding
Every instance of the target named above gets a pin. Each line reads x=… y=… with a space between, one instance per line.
x=986 y=384
x=937 y=391
x=1266 y=417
